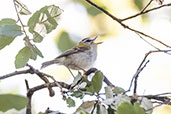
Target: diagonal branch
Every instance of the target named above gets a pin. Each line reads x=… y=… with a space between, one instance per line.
x=145 y=11
x=142 y=66
x=122 y=24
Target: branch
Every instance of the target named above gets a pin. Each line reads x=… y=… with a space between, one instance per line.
x=124 y=25
x=93 y=70
x=141 y=67
x=145 y=11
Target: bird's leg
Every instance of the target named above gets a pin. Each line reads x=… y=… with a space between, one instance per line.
x=71 y=73
x=84 y=71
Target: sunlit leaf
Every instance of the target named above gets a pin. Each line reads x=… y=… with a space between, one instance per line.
x=10 y=101
x=7 y=21
x=22 y=57
x=44 y=21
x=108 y=92
x=86 y=107
x=127 y=108
x=64 y=42
x=97 y=81
x=4 y=41
x=23 y=10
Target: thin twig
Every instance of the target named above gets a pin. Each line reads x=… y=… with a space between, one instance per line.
x=124 y=25
x=147 y=42
x=141 y=64
x=144 y=12
x=19 y=19
x=136 y=77
x=146 y=6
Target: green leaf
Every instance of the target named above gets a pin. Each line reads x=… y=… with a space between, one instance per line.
x=138 y=109
x=77 y=94
x=37 y=37
x=110 y=110
x=44 y=21
x=10 y=30
x=64 y=42
x=139 y=4
x=22 y=57
x=10 y=101
x=7 y=21
x=4 y=41
x=127 y=108
x=34 y=52
x=97 y=81
x=118 y=90
x=70 y=102
x=93 y=11
x=38 y=52
x=77 y=79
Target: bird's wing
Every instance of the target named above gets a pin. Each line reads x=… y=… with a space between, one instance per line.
x=74 y=50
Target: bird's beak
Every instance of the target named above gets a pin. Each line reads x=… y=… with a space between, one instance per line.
x=95 y=39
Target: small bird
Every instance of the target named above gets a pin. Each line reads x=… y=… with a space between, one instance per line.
x=80 y=57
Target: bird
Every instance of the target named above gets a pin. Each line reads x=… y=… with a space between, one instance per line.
x=80 y=57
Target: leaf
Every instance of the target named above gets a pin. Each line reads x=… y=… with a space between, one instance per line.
x=70 y=102
x=22 y=57
x=86 y=107
x=77 y=79
x=10 y=30
x=9 y=101
x=138 y=109
x=110 y=110
x=93 y=11
x=64 y=42
x=108 y=92
x=7 y=21
x=139 y=4
x=127 y=108
x=34 y=52
x=38 y=52
x=118 y=90
x=4 y=41
x=97 y=81
x=44 y=21
x=23 y=10
x=77 y=94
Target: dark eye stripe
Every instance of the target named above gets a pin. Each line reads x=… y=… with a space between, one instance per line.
x=86 y=40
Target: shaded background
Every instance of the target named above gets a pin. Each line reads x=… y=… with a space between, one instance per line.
x=118 y=57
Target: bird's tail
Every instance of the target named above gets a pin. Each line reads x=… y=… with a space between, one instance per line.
x=47 y=63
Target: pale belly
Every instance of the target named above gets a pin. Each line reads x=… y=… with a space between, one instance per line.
x=81 y=61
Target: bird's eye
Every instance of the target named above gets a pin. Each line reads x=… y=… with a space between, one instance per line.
x=88 y=40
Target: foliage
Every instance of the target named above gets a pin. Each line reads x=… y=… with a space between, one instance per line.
x=113 y=100
x=9 y=101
